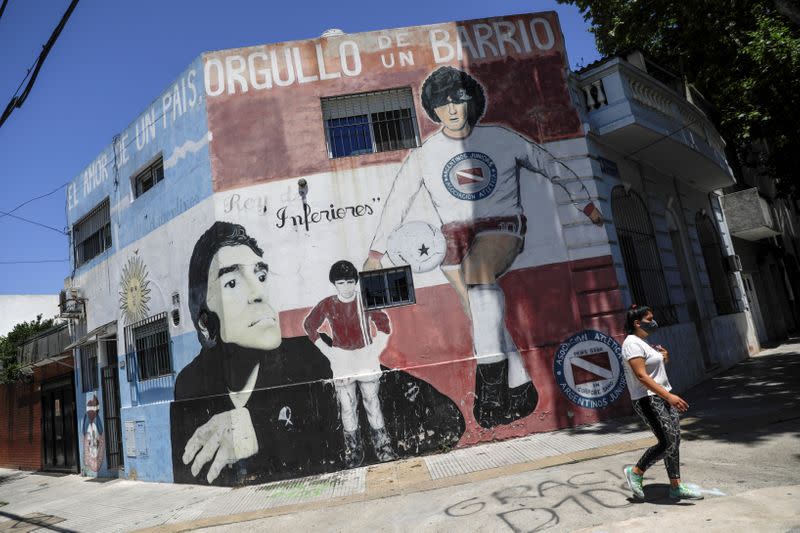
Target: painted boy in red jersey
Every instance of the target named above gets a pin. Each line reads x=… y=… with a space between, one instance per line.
x=354 y=356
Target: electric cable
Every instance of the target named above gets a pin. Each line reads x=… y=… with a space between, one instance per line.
x=18 y=99
x=34 y=261
x=26 y=202
x=61 y=231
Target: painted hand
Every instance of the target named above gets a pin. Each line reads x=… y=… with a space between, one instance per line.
x=227 y=437
x=372 y=263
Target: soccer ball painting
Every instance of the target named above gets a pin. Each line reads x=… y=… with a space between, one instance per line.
x=418 y=245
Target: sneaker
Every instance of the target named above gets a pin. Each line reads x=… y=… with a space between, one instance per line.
x=683 y=492
x=635 y=483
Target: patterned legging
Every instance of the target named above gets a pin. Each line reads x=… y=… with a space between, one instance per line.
x=663 y=420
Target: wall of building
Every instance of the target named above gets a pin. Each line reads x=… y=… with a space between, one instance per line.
x=21 y=418
x=20 y=426
x=702 y=338
x=17 y=308
x=117 y=285
x=255 y=394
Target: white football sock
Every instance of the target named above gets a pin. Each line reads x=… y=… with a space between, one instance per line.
x=487 y=304
x=517 y=374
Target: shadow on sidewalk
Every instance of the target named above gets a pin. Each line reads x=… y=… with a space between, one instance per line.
x=744 y=404
x=31 y=522
x=747 y=403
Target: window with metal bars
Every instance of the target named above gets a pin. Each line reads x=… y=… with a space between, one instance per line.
x=148 y=344
x=147 y=178
x=89 y=367
x=92 y=233
x=637 y=242
x=387 y=288
x=715 y=265
x=370 y=122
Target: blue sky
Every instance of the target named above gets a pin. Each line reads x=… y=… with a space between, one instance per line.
x=113 y=58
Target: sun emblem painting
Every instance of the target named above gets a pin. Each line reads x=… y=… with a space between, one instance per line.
x=134 y=290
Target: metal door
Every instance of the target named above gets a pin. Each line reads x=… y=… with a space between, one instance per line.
x=59 y=435
x=111 y=407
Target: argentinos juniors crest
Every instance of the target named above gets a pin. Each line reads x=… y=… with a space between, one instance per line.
x=470 y=176
x=588 y=369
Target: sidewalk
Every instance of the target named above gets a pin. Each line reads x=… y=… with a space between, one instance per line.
x=752 y=394
x=72 y=502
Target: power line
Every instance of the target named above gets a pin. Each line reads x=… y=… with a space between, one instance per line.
x=61 y=231
x=34 y=261
x=663 y=136
x=18 y=99
x=26 y=202
x=3 y=8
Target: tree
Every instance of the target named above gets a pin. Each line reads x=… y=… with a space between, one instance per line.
x=743 y=56
x=9 y=366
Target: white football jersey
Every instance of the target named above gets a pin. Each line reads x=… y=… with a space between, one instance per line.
x=466 y=179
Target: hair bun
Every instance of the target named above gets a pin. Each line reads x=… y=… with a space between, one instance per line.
x=634 y=306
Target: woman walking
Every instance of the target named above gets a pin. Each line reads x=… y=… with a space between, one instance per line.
x=654 y=403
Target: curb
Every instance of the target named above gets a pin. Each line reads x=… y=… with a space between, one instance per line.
x=404 y=477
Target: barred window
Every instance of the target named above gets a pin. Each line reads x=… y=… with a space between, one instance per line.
x=715 y=265
x=147 y=178
x=89 y=367
x=370 y=122
x=387 y=288
x=92 y=233
x=148 y=344
x=637 y=242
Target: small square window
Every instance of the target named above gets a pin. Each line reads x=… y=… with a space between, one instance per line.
x=366 y=123
x=387 y=288
x=147 y=178
x=149 y=354
x=91 y=235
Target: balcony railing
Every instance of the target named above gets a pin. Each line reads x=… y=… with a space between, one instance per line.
x=640 y=115
x=49 y=345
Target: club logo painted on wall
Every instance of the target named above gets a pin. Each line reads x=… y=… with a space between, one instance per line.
x=134 y=292
x=417 y=244
x=470 y=176
x=588 y=369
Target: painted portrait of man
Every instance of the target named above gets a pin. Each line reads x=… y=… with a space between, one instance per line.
x=254 y=406
x=237 y=418
x=472 y=174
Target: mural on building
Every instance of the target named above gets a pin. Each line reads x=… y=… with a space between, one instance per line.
x=258 y=232
x=471 y=174
x=254 y=406
x=94 y=441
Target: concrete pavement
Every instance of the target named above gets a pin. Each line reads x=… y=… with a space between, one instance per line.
x=740 y=446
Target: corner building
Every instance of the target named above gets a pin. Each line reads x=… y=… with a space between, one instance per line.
x=321 y=254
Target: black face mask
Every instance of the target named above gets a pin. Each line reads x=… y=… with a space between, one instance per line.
x=649 y=327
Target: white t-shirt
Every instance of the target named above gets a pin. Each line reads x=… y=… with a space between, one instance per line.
x=466 y=179
x=633 y=347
